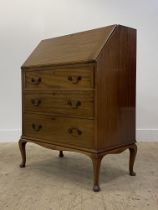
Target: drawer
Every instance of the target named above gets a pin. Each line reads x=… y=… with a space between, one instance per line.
x=77 y=104
x=68 y=131
x=70 y=78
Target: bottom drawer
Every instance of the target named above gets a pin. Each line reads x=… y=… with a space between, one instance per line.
x=68 y=131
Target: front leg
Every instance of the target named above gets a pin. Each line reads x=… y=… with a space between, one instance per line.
x=22 y=145
x=133 y=152
x=61 y=154
x=96 y=172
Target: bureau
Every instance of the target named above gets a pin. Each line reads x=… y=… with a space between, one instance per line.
x=78 y=94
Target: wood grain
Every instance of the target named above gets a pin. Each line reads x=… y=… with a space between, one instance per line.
x=67 y=78
x=78 y=94
x=66 y=103
x=73 y=48
x=71 y=131
x=115 y=90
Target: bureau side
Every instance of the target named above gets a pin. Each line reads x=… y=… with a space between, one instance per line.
x=116 y=90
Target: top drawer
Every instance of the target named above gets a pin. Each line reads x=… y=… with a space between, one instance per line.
x=66 y=78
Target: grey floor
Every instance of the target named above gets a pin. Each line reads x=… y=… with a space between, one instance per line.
x=50 y=183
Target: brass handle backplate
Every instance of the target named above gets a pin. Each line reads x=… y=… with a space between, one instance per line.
x=36 y=127
x=36 y=102
x=74 y=79
x=74 y=131
x=74 y=104
x=36 y=81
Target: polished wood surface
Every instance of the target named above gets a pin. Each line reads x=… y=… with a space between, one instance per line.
x=73 y=48
x=78 y=94
x=71 y=131
x=60 y=78
x=68 y=103
x=115 y=90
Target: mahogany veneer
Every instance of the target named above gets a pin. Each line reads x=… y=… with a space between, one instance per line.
x=78 y=94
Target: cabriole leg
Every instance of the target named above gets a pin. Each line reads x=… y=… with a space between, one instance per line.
x=96 y=172
x=133 y=152
x=61 y=154
x=22 y=145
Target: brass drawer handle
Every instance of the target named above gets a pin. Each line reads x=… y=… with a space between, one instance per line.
x=74 y=104
x=36 y=81
x=36 y=102
x=74 y=79
x=74 y=131
x=36 y=127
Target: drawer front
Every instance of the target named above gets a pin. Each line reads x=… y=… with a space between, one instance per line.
x=68 y=131
x=59 y=78
x=77 y=104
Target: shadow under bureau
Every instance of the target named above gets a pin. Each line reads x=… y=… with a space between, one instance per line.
x=78 y=94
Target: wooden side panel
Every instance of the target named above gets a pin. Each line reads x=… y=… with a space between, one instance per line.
x=115 y=93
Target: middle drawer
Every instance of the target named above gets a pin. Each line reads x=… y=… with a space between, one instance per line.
x=77 y=104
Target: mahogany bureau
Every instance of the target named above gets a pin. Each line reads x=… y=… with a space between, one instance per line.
x=78 y=94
